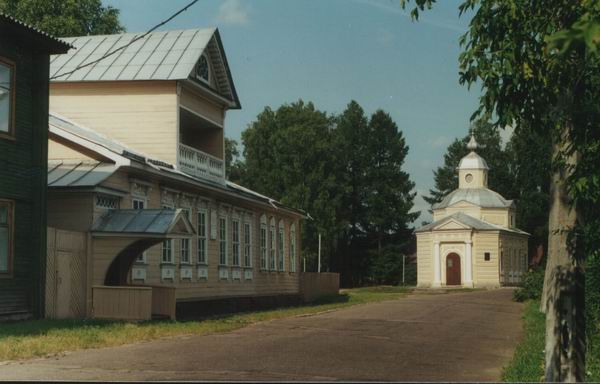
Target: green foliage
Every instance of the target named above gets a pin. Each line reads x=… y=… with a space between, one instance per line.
x=533 y=283
x=592 y=294
x=64 y=18
x=233 y=164
x=345 y=171
x=527 y=364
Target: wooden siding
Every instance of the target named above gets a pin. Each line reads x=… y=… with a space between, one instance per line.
x=486 y=273
x=23 y=175
x=140 y=114
x=424 y=260
x=124 y=303
x=196 y=103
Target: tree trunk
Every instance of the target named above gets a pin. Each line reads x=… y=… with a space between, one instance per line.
x=563 y=294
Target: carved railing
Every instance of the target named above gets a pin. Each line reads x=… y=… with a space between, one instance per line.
x=200 y=164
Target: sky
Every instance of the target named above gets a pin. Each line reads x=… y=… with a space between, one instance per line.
x=333 y=51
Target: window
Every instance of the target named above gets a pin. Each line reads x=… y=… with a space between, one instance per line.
x=202 y=70
x=468 y=178
x=486 y=256
x=281 y=244
x=293 y=248
x=6 y=236
x=107 y=202
x=263 y=243
x=139 y=204
x=202 y=237
x=184 y=249
x=272 y=248
x=235 y=239
x=222 y=241
x=167 y=246
x=247 y=246
x=7 y=97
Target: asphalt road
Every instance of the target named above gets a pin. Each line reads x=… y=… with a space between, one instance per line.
x=423 y=337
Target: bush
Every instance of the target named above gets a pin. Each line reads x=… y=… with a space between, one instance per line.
x=533 y=283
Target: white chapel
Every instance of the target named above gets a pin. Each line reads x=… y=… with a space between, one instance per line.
x=472 y=241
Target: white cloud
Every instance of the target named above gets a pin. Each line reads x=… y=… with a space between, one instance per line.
x=232 y=12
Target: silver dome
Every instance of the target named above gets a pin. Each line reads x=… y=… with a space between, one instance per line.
x=472 y=161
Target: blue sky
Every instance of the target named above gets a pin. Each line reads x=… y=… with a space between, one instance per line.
x=333 y=51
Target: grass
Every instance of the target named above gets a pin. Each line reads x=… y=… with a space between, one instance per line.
x=37 y=338
x=527 y=363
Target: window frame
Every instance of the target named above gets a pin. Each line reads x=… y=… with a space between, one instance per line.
x=204 y=226
x=11 y=134
x=10 y=224
x=293 y=247
x=141 y=259
x=247 y=237
x=235 y=242
x=272 y=246
x=200 y=78
x=264 y=244
x=281 y=246
x=167 y=245
x=222 y=241
x=188 y=244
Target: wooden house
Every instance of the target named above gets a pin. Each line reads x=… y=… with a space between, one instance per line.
x=137 y=140
x=24 y=66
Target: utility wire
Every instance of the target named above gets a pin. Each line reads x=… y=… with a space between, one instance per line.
x=128 y=44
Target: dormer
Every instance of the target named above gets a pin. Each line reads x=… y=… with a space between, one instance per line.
x=472 y=169
x=164 y=95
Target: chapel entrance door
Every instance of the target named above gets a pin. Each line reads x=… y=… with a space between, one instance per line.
x=453 y=269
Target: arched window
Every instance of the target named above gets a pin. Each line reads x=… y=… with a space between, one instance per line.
x=202 y=69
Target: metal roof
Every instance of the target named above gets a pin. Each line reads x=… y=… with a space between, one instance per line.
x=473 y=161
x=162 y=55
x=482 y=197
x=78 y=173
x=56 y=45
x=471 y=222
x=143 y=221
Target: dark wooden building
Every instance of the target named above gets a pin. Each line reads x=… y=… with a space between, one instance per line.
x=24 y=68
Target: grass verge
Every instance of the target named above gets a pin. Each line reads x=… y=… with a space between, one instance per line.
x=527 y=363
x=37 y=338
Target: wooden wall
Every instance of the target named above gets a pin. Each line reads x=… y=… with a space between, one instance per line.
x=141 y=114
x=486 y=273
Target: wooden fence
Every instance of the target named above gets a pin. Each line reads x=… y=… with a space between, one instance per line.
x=313 y=284
x=163 y=301
x=122 y=302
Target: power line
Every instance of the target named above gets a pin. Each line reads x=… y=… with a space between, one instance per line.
x=128 y=44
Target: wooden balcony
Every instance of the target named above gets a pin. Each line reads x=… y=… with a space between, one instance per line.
x=200 y=164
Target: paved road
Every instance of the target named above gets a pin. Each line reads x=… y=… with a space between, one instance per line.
x=423 y=337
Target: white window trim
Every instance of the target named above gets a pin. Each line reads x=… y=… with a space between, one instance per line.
x=281 y=246
x=234 y=262
x=205 y=237
x=293 y=249
x=247 y=245
x=142 y=259
x=272 y=246
x=264 y=246
x=170 y=242
x=223 y=241
x=187 y=249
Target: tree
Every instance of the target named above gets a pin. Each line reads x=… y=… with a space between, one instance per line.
x=527 y=83
x=234 y=167
x=390 y=195
x=500 y=179
x=288 y=156
x=64 y=18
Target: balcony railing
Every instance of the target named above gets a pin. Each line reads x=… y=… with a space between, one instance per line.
x=200 y=164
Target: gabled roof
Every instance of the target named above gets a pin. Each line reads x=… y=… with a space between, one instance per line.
x=469 y=222
x=93 y=173
x=144 y=221
x=38 y=38
x=162 y=55
x=481 y=197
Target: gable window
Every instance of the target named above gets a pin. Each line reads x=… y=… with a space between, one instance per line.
x=281 y=244
x=247 y=246
x=293 y=248
x=202 y=237
x=235 y=239
x=7 y=97
x=6 y=236
x=263 y=243
x=202 y=69
x=222 y=240
x=167 y=246
x=273 y=246
x=139 y=204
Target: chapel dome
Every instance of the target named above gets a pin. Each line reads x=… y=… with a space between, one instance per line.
x=472 y=161
x=481 y=197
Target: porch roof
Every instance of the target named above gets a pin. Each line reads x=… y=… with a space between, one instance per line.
x=153 y=222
